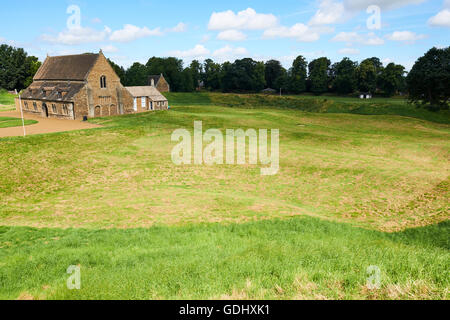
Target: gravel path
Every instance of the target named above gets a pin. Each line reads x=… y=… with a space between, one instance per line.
x=45 y=125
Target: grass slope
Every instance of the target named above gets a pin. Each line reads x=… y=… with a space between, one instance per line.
x=383 y=172
x=322 y=104
x=110 y=200
x=6 y=100
x=7 y=122
x=299 y=258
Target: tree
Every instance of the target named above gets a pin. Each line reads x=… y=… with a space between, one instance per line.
x=16 y=68
x=366 y=75
x=188 y=80
x=244 y=75
x=429 y=80
x=273 y=70
x=319 y=75
x=171 y=68
x=212 y=75
x=298 y=75
x=282 y=82
x=34 y=64
x=196 y=70
x=392 y=79
x=343 y=76
x=120 y=71
x=136 y=75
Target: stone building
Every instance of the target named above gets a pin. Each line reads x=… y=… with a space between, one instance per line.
x=74 y=87
x=159 y=82
x=147 y=99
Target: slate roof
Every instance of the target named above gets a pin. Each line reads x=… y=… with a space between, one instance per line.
x=74 y=67
x=155 y=78
x=61 y=91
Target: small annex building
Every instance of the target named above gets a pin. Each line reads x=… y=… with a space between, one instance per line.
x=159 y=82
x=147 y=98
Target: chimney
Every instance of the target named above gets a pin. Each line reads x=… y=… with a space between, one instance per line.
x=152 y=82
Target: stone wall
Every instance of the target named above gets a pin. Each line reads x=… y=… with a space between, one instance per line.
x=55 y=109
x=163 y=85
x=95 y=101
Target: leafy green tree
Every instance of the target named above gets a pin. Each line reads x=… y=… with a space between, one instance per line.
x=212 y=75
x=120 y=71
x=34 y=65
x=298 y=75
x=273 y=70
x=392 y=79
x=343 y=76
x=319 y=75
x=197 y=71
x=171 y=68
x=282 y=82
x=16 y=68
x=244 y=75
x=366 y=75
x=188 y=80
x=136 y=75
x=429 y=79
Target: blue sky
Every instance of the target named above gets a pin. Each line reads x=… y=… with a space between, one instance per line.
x=135 y=30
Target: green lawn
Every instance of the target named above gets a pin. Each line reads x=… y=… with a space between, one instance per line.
x=353 y=191
x=6 y=98
x=6 y=122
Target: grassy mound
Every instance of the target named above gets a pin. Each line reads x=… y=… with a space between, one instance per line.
x=322 y=104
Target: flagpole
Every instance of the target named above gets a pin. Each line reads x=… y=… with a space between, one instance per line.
x=21 y=113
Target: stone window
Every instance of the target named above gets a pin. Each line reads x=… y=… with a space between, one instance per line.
x=26 y=105
x=35 y=106
x=65 y=111
x=54 y=108
x=102 y=82
x=143 y=102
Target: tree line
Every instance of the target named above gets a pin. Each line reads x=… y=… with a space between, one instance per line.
x=247 y=75
x=428 y=82
x=17 y=68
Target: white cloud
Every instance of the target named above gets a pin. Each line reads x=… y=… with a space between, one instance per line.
x=181 y=27
x=77 y=36
x=109 y=49
x=228 y=53
x=442 y=19
x=349 y=51
x=299 y=31
x=329 y=12
x=131 y=32
x=353 y=37
x=232 y=35
x=405 y=36
x=96 y=20
x=205 y=38
x=198 y=52
x=355 y=5
x=244 y=20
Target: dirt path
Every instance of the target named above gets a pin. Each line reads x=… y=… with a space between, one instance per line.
x=45 y=125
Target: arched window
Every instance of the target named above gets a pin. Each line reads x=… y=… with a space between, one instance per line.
x=102 y=82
